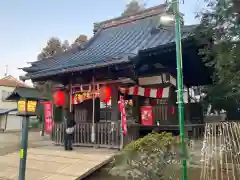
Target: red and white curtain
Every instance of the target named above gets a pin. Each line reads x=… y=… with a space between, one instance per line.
x=146 y=92
x=81 y=95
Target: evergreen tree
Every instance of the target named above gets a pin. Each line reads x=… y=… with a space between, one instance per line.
x=219 y=24
x=54 y=46
x=133 y=7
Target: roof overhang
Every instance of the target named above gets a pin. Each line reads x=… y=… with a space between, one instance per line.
x=194 y=70
x=26 y=93
x=72 y=69
x=6 y=111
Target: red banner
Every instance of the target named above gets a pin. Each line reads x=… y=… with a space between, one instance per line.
x=122 y=109
x=48 y=117
x=147 y=116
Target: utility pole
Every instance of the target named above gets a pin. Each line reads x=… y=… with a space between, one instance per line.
x=6 y=71
x=175 y=5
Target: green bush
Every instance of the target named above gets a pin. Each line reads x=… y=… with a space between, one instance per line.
x=154 y=156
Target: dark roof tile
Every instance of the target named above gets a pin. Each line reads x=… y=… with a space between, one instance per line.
x=111 y=45
x=23 y=92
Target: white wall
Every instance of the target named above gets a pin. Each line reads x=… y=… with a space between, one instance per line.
x=6 y=104
x=14 y=122
x=2 y=121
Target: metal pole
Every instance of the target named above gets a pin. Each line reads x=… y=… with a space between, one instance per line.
x=70 y=97
x=180 y=86
x=24 y=146
x=93 y=111
x=43 y=126
x=122 y=136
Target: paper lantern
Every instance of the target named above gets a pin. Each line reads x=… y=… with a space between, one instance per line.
x=59 y=98
x=105 y=94
x=27 y=107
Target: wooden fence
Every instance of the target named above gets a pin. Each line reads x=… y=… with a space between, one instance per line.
x=107 y=134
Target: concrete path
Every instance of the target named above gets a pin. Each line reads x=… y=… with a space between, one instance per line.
x=53 y=163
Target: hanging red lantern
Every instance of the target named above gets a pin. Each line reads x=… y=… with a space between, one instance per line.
x=105 y=94
x=59 y=98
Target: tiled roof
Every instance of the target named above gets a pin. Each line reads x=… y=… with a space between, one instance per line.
x=23 y=92
x=10 y=81
x=112 y=44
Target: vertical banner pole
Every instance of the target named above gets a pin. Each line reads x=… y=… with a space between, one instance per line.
x=121 y=137
x=70 y=96
x=93 y=115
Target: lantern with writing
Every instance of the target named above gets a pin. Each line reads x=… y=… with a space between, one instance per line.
x=27 y=107
x=58 y=98
x=105 y=94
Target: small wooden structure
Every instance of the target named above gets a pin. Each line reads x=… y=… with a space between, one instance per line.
x=135 y=57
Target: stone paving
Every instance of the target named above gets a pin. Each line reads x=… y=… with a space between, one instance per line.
x=46 y=161
x=53 y=163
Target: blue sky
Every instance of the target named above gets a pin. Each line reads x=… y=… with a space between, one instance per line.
x=26 y=25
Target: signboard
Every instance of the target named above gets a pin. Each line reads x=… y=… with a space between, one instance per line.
x=81 y=96
x=147 y=115
x=121 y=105
x=48 y=117
x=104 y=93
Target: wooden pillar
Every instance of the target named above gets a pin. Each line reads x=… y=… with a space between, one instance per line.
x=136 y=108
x=188 y=95
x=114 y=102
x=97 y=110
